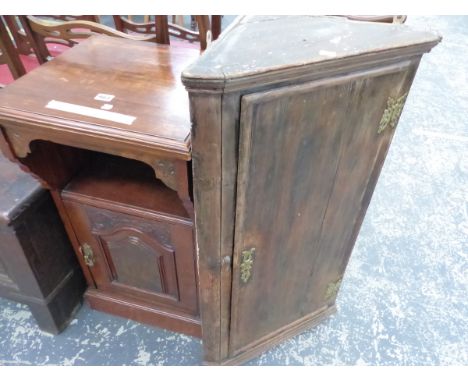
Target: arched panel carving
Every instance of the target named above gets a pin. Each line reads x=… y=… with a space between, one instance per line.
x=138 y=261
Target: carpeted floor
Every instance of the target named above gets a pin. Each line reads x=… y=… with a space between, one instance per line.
x=404 y=297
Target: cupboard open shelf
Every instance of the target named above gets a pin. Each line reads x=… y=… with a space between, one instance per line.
x=124 y=183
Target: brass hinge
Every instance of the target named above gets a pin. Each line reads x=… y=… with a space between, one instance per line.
x=332 y=290
x=247 y=264
x=392 y=113
x=88 y=254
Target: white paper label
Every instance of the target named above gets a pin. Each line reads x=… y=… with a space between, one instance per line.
x=327 y=53
x=104 y=97
x=107 y=106
x=91 y=112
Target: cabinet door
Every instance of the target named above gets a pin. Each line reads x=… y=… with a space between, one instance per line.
x=135 y=258
x=309 y=158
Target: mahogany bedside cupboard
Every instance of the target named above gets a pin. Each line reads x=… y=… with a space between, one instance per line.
x=37 y=263
x=272 y=170
x=106 y=126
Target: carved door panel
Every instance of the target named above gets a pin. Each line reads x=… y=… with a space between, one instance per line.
x=137 y=258
x=309 y=158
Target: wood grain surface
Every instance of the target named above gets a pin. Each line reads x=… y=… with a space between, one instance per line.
x=286 y=154
x=143 y=78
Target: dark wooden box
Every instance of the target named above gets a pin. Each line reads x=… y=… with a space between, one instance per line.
x=37 y=263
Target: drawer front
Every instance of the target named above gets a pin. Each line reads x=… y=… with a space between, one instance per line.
x=309 y=158
x=144 y=259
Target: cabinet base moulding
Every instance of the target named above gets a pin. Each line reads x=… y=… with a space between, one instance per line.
x=274 y=339
x=143 y=313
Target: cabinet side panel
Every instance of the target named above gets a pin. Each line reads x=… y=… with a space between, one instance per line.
x=45 y=242
x=230 y=138
x=3 y=271
x=206 y=159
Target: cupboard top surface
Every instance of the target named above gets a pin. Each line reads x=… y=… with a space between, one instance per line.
x=139 y=81
x=248 y=49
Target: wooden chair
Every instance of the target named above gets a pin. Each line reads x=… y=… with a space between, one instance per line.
x=21 y=40
x=8 y=53
x=216 y=26
x=19 y=53
x=18 y=36
x=163 y=29
x=41 y=32
x=93 y=18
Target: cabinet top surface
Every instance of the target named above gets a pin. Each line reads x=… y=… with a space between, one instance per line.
x=109 y=86
x=16 y=187
x=256 y=45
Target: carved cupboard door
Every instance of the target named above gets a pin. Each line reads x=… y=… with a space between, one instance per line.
x=309 y=158
x=135 y=258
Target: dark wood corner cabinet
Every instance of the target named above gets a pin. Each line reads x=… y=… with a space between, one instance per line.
x=229 y=213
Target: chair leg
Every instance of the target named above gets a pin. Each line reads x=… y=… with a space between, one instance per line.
x=9 y=51
x=162 y=30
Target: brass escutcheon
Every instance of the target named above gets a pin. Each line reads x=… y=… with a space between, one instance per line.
x=88 y=254
x=392 y=113
x=247 y=264
x=332 y=290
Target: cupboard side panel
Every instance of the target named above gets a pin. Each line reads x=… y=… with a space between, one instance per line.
x=230 y=137
x=205 y=112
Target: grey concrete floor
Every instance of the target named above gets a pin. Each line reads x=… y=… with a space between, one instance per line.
x=404 y=296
